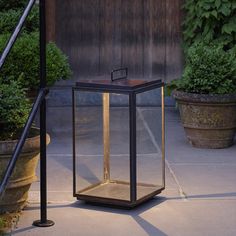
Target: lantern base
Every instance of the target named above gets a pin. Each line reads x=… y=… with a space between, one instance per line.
x=118 y=193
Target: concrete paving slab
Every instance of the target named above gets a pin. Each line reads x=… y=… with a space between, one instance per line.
x=199 y=198
x=207 y=181
x=178 y=150
x=60 y=180
x=157 y=218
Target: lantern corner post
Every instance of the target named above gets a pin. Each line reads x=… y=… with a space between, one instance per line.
x=133 y=152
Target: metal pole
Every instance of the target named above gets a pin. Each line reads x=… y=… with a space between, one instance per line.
x=74 y=141
x=106 y=136
x=43 y=222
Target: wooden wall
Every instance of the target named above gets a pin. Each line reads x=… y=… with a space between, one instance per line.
x=100 y=35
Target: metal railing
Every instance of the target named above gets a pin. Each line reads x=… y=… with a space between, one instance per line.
x=40 y=102
x=16 y=32
x=21 y=141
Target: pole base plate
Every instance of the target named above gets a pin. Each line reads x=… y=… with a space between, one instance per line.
x=39 y=223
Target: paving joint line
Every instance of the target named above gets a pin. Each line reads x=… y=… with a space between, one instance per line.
x=181 y=192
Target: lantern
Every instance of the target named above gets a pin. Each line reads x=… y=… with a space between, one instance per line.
x=118 y=140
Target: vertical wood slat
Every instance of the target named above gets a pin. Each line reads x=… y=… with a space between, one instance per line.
x=132 y=36
x=66 y=27
x=77 y=33
x=154 y=39
x=107 y=31
x=117 y=36
x=158 y=37
x=50 y=19
x=173 y=39
x=89 y=47
x=147 y=39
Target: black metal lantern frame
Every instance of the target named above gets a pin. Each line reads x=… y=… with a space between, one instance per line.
x=130 y=88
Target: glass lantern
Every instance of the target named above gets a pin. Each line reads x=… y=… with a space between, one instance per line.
x=118 y=141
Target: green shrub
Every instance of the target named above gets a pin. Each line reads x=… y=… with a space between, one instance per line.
x=7 y=222
x=9 y=20
x=57 y=64
x=23 y=61
x=14 y=108
x=6 y=5
x=2 y=223
x=210 y=20
x=208 y=70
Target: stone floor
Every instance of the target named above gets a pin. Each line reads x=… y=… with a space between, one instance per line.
x=200 y=194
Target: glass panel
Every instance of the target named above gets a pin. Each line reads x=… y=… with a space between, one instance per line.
x=149 y=143
x=119 y=142
x=102 y=145
x=88 y=139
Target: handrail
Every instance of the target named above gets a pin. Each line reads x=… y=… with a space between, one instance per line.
x=16 y=32
x=20 y=144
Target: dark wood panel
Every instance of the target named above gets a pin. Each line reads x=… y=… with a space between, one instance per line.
x=132 y=36
x=67 y=20
x=50 y=19
x=78 y=34
x=155 y=39
x=173 y=39
x=110 y=36
x=99 y=35
x=148 y=39
x=90 y=37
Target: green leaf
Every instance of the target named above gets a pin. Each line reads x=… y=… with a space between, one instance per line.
x=225 y=10
x=218 y=3
x=206 y=14
x=210 y=20
x=229 y=28
x=214 y=13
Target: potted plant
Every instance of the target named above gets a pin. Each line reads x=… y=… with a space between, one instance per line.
x=23 y=62
x=206 y=96
x=14 y=110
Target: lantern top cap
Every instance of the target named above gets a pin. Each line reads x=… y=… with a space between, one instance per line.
x=122 y=85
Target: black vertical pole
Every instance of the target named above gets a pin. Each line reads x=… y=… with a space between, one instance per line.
x=133 y=152
x=73 y=139
x=43 y=222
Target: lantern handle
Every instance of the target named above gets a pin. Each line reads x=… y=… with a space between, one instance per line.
x=122 y=76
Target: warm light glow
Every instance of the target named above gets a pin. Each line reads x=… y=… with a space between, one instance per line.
x=106 y=135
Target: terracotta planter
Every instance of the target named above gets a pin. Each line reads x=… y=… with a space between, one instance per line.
x=209 y=120
x=16 y=194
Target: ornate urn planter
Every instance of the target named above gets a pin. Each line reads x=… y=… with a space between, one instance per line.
x=209 y=120
x=16 y=194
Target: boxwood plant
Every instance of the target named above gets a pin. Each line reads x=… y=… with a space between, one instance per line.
x=10 y=18
x=23 y=61
x=14 y=109
x=209 y=70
